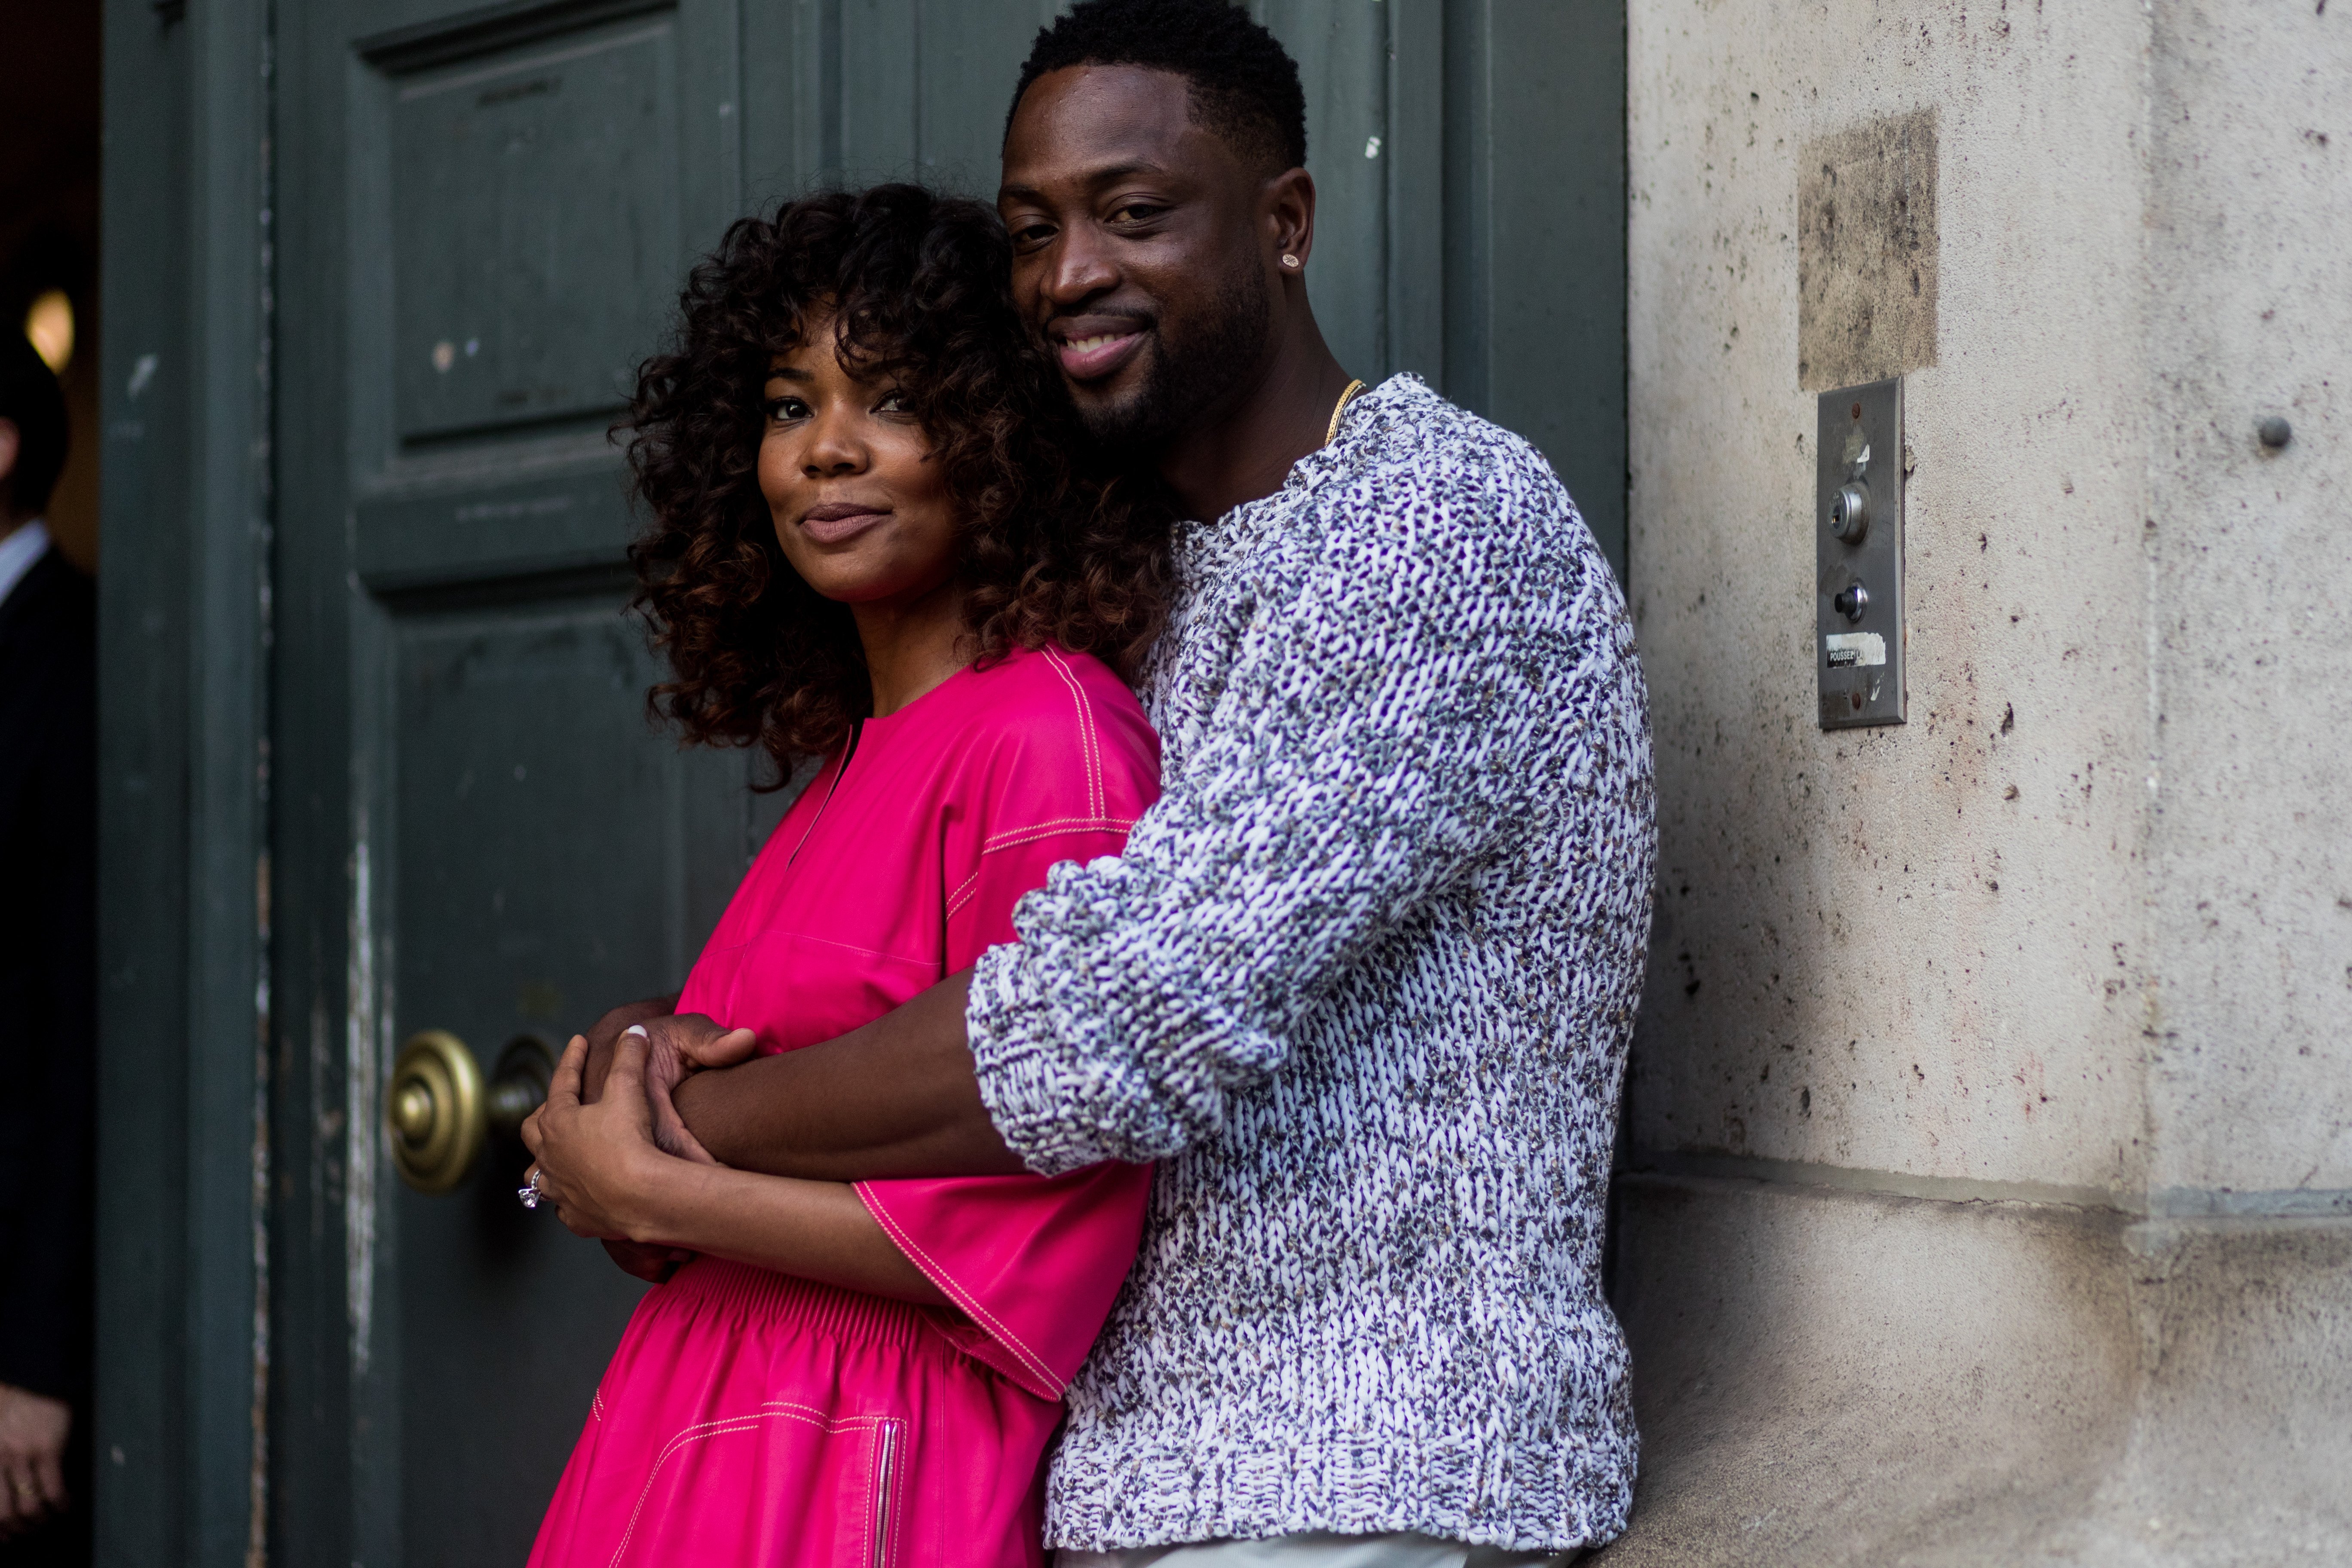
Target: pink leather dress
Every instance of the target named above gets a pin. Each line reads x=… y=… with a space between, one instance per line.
x=752 y=1417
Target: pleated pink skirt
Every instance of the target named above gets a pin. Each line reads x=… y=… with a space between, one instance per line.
x=753 y=1419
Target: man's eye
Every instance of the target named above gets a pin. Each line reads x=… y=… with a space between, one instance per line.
x=1033 y=233
x=1135 y=211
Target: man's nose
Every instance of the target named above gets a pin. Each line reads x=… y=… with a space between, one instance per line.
x=1078 y=266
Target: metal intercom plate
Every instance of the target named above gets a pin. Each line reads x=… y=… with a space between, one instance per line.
x=1858 y=549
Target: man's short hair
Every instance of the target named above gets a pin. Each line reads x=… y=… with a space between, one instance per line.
x=1244 y=85
x=30 y=400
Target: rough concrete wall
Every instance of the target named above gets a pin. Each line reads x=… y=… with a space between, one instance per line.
x=2081 y=929
x=1851 y=1380
x=1821 y=1378
x=1923 y=948
x=2251 y=219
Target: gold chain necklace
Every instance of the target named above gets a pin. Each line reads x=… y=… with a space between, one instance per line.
x=1333 y=434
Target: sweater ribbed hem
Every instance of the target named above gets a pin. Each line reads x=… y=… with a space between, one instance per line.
x=1113 y=1496
x=1017 y=1080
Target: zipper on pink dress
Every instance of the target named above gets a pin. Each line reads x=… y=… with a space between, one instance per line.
x=885 y=1486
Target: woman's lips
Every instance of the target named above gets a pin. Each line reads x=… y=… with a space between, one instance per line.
x=837 y=522
x=1092 y=357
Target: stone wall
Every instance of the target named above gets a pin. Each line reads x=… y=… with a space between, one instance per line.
x=1991 y=1092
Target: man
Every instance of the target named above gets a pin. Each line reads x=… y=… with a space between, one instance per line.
x=1363 y=981
x=49 y=980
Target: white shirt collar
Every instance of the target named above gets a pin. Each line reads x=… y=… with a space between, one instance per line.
x=17 y=554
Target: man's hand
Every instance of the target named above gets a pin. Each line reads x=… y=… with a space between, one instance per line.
x=605 y=1031
x=679 y=1045
x=33 y=1431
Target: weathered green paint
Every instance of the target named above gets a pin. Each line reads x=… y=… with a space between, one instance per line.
x=460 y=815
x=185 y=530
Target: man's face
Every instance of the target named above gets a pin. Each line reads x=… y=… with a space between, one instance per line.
x=1139 y=249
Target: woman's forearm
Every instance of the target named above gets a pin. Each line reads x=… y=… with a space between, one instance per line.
x=817 y=1230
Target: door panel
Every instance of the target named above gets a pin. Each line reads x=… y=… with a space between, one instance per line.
x=546 y=860
x=534 y=227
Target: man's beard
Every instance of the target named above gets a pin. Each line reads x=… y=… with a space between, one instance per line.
x=1187 y=374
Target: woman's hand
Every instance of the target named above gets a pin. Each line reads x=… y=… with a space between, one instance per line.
x=597 y=1161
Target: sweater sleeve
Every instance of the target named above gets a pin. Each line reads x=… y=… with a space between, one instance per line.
x=1420 y=662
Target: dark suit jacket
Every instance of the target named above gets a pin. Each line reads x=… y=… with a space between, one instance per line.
x=48 y=977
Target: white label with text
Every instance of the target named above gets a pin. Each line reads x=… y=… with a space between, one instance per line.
x=1849 y=650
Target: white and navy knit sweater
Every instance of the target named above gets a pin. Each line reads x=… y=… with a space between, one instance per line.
x=1362 y=984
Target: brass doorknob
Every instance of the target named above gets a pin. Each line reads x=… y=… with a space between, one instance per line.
x=433 y=1108
x=439 y=1113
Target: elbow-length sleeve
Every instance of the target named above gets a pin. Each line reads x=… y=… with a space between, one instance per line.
x=1422 y=667
x=1034 y=1263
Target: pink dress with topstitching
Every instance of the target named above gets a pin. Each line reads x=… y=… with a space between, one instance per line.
x=753 y=1417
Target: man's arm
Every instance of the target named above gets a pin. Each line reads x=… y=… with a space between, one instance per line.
x=1370 y=744
x=1435 y=675
x=896 y=1097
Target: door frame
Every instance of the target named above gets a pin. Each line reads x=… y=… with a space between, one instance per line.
x=181 y=1440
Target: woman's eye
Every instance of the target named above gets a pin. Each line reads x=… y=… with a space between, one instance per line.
x=892 y=403
x=780 y=408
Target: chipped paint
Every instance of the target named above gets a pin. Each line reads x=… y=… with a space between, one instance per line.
x=359 y=1029
x=257 y=1545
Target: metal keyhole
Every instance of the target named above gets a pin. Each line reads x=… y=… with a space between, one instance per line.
x=1850 y=513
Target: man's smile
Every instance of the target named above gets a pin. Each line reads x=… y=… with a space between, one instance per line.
x=1095 y=353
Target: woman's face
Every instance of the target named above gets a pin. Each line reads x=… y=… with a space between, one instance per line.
x=859 y=505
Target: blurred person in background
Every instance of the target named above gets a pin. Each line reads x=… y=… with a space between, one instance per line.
x=48 y=984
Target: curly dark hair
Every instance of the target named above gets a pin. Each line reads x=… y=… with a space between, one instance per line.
x=1244 y=83
x=1054 y=548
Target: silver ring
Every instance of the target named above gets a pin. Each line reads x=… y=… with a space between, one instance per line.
x=530 y=1191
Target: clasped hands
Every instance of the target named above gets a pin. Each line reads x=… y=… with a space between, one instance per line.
x=609 y=1118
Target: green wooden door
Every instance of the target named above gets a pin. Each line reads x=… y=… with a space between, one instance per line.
x=483 y=220
x=377 y=760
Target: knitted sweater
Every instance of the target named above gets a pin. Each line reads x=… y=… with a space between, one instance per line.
x=1363 y=982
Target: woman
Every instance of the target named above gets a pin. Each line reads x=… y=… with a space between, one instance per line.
x=870 y=545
